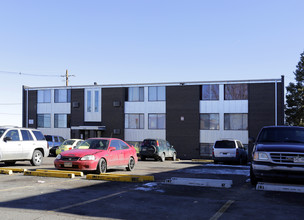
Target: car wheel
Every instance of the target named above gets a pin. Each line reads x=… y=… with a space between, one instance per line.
x=102 y=166
x=143 y=158
x=131 y=164
x=253 y=179
x=37 y=158
x=9 y=163
x=174 y=157
x=162 y=157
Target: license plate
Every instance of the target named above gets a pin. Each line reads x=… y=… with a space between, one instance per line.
x=68 y=164
x=298 y=159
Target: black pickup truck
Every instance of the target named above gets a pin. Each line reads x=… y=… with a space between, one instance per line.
x=278 y=153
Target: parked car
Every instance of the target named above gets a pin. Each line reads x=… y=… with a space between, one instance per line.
x=54 y=142
x=158 y=149
x=98 y=154
x=68 y=145
x=278 y=153
x=22 y=144
x=229 y=151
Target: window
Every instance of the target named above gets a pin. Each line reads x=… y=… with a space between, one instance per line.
x=136 y=94
x=62 y=95
x=236 y=121
x=44 y=120
x=96 y=103
x=60 y=120
x=157 y=93
x=210 y=92
x=14 y=134
x=134 y=121
x=236 y=92
x=157 y=121
x=39 y=136
x=116 y=144
x=209 y=122
x=26 y=135
x=89 y=101
x=206 y=149
x=44 y=96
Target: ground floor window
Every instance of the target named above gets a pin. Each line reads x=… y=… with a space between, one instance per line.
x=44 y=120
x=206 y=150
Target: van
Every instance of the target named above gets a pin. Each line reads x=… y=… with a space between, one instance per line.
x=22 y=144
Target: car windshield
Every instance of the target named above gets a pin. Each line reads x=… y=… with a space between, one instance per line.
x=100 y=144
x=224 y=144
x=282 y=134
x=1 y=132
x=68 y=142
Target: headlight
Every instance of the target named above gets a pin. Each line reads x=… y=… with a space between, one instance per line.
x=88 y=157
x=58 y=157
x=262 y=156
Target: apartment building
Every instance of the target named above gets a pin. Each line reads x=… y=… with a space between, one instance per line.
x=190 y=115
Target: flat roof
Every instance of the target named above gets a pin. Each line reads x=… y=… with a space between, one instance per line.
x=249 y=81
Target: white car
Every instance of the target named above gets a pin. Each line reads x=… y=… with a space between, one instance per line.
x=229 y=151
x=22 y=144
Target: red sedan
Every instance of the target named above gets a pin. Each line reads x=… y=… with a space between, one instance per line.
x=98 y=154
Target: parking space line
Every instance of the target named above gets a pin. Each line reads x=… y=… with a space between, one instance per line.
x=87 y=202
x=221 y=211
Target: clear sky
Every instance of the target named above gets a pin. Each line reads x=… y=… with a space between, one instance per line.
x=140 y=41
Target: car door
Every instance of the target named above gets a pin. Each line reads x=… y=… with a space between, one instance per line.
x=11 y=148
x=114 y=155
x=126 y=153
x=28 y=144
x=170 y=149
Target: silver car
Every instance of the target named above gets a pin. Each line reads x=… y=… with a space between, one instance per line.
x=229 y=151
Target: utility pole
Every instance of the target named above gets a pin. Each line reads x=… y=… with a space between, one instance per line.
x=66 y=77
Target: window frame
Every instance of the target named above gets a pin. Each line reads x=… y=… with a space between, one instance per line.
x=141 y=123
x=242 y=127
x=211 y=88
x=156 y=127
x=217 y=127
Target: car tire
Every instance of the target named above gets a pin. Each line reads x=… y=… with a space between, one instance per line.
x=174 y=157
x=102 y=166
x=253 y=179
x=143 y=158
x=162 y=157
x=37 y=158
x=131 y=164
x=9 y=163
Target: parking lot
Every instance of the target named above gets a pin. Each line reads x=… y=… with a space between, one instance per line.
x=35 y=197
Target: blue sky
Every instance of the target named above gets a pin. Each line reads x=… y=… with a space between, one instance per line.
x=139 y=41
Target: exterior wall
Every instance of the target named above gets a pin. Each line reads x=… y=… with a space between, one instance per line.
x=77 y=107
x=113 y=115
x=145 y=108
x=30 y=116
x=182 y=121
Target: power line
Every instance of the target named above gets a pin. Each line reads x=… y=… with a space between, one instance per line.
x=27 y=74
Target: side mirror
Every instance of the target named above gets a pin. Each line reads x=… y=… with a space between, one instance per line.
x=7 y=139
x=112 y=149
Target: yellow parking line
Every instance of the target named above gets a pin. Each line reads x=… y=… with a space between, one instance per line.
x=221 y=211
x=87 y=202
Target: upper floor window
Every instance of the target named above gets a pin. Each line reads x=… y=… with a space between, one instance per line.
x=236 y=121
x=134 y=121
x=62 y=95
x=44 y=96
x=92 y=100
x=157 y=121
x=157 y=93
x=209 y=122
x=210 y=92
x=60 y=120
x=236 y=92
x=136 y=94
x=44 y=120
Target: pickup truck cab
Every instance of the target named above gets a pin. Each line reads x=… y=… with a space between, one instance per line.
x=278 y=153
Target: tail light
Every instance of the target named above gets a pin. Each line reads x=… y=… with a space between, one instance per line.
x=157 y=144
x=237 y=152
x=212 y=152
x=70 y=148
x=48 y=146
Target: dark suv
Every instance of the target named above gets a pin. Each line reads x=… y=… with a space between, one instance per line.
x=278 y=153
x=158 y=149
